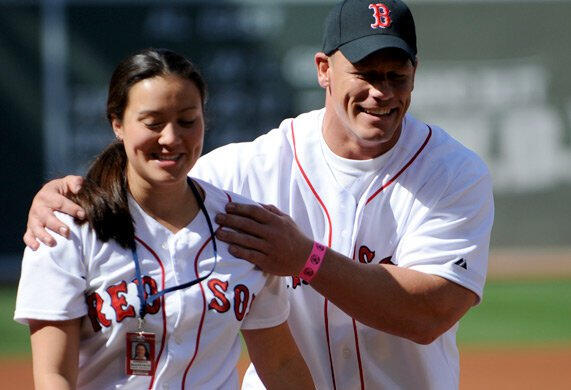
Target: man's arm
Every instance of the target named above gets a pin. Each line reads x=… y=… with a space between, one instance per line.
x=396 y=300
x=52 y=196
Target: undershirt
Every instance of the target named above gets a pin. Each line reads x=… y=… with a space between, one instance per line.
x=354 y=176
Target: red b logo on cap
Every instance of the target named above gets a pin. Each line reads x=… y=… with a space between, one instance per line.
x=381 y=15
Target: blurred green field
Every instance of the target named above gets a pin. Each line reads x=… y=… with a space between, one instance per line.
x=513 y=313
x=520 y=313
x=14 y=338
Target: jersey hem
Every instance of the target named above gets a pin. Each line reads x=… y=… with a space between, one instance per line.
x=435 y=270
x=24 y=317
x=266 y=323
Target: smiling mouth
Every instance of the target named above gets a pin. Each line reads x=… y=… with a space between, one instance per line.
x=162 y=157
x=379 y=112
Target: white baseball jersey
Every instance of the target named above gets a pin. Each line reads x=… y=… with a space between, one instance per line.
x=428 y=208
x=197 y=329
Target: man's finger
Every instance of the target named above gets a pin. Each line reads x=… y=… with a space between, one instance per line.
x=40 y=233
x=68 y=207
x=273 y=209
x=57 y=226
x=244 y=224
x=31 y=241
x=241 y=239
x=71 y=183
x=250 y=255
x=254 y=212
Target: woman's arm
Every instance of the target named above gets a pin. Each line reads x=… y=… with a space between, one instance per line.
x=277 y=359
x=55 y=353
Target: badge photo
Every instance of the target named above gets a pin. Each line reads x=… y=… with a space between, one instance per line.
x=140 y=354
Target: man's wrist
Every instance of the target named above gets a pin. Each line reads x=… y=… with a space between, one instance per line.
x=314 y=261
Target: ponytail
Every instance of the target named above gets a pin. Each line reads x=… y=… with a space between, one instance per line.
x=103 y=196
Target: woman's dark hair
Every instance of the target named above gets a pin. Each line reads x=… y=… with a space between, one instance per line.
x=147 y=354
x=103 y=194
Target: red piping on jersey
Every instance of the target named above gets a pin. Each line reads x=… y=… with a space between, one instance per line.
x=311 y=187
x=329 y=239
x=391 y=181
x=199 y=333
x=358 y=354
x=359 y=362
x=152 y=252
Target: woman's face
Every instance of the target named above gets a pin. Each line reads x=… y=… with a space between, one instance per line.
x=162 y=130
x=140 y=352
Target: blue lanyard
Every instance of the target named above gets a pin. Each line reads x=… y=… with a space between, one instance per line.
x=140 y=287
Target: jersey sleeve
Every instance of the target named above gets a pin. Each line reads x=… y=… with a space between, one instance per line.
x=251 y=169
x=450 y=237
x=223 y=167
x=53 y=280
x=270 y=307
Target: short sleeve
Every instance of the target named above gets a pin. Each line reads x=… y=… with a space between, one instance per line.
x=222 y=167
x=451 y=237
x=270 y=306
x=53 y=281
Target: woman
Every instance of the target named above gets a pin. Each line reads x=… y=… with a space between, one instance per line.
x=141 y=352
x=146 y=268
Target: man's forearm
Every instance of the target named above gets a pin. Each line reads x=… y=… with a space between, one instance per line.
x=396 y=300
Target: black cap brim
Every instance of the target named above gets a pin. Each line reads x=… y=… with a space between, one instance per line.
x=360 y=48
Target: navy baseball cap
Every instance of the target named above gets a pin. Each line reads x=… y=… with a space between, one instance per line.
x=361 y=27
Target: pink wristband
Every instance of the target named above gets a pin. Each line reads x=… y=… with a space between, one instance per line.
x=313 y=262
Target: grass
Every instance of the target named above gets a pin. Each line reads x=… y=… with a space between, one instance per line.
x=520 y=312
x=513 y=313
x=14 y=337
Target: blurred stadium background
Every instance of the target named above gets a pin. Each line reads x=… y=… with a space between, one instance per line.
x=495 y=74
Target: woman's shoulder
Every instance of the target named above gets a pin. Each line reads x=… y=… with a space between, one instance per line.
x=217 y=197
x=82 y=240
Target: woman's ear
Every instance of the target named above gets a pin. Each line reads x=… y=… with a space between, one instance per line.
x=117 y=128
x=322 y=65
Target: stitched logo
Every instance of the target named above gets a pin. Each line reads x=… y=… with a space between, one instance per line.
x=381 y=14
x=462 y=263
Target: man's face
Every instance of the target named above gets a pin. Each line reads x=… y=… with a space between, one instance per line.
x=367 y=101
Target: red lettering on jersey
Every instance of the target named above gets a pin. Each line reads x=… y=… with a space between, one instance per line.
x=150 y=288
x=296 y=281
x=387 y=260
x=381 y=15
x=94 y=305
x=219 y=303
x=119 y=302
x=241 y=298
x=366 y=255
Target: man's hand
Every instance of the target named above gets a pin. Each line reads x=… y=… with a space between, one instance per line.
x=265 y=237
x=52 y=196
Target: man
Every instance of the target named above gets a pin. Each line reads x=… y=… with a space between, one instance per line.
x=405 y=211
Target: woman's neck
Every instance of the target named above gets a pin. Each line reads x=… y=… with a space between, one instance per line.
x=173 y=206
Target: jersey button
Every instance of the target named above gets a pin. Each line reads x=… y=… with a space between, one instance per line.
x=346 y=353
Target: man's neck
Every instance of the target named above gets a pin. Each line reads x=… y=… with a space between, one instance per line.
x=346 y=144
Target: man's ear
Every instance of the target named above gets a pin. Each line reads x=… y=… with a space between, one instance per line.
x=322 y=65
x=414 y=71
x=117 y=128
